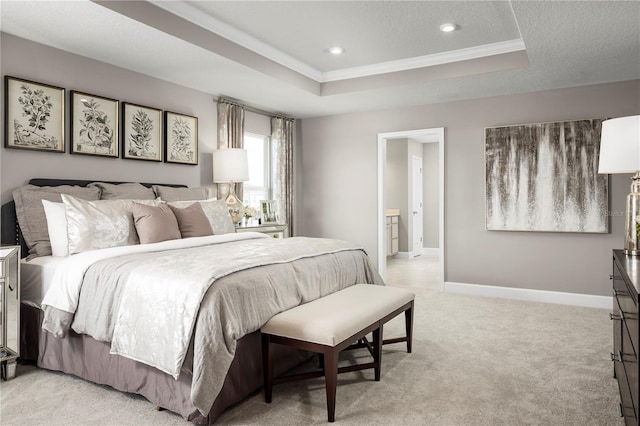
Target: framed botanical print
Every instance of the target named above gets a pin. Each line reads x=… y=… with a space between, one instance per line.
x=94 y=125
x=33 y=115
x=180 y=138
x=141 y=132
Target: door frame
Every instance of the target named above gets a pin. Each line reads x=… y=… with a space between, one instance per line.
x=433 y=135
x=412 y=252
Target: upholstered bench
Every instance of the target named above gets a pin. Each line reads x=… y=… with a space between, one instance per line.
x=330 y=325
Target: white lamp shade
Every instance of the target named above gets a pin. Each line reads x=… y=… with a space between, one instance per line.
x=230 y=165
x=620 y=145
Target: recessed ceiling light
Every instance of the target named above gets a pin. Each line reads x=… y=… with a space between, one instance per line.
x=448 y=27
x=336 y=50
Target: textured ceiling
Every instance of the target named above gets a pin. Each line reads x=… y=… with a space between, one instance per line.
x=567 y=44
x=370 y=33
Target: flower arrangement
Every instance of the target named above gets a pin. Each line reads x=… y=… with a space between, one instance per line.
x=250 y=212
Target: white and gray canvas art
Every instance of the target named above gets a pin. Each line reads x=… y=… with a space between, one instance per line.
x=544 y=177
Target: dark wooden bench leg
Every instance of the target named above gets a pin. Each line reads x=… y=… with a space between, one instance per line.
x=267 y=368
x=331 y=381
x=408 y=320
x=377 y=352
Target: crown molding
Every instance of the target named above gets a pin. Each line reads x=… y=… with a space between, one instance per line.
x=192 y=14
x=425 y=61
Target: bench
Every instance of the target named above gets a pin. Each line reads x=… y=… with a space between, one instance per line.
x=332 y=324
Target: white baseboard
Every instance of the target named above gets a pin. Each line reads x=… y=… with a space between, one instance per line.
x=403 y=255
x=430 y=251
x=557 y=297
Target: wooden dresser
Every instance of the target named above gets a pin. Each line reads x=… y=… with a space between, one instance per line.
x=626 y=278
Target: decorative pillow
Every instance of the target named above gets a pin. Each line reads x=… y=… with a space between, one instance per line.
x=93 y=225
x=57 y=226
x=31 y=217
x=217 y=213
x=123 y=191
x=192 y=221
x=155 y=223
x=168 y=193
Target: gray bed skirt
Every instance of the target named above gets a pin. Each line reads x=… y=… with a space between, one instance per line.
x=89 y=359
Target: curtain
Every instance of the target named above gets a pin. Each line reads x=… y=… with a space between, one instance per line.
x=283 y=169
x=230 y=135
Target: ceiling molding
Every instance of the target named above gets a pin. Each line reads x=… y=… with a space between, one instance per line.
x=208 y=22
x=426 y=61
x=194 y=15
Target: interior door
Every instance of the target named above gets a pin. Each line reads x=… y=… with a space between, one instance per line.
x=416 y=202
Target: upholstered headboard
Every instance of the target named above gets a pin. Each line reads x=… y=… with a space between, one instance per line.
x=10 y=230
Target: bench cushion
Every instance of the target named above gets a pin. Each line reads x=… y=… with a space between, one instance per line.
x=332 y=319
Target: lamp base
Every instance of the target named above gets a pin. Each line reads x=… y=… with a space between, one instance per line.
x=632 y=223
x=236 y=209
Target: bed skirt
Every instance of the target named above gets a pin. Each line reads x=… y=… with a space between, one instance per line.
x=89 y=359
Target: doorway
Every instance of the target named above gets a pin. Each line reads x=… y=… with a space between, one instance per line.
x=434 y=135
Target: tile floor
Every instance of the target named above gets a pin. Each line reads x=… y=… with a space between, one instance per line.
x=422 y=271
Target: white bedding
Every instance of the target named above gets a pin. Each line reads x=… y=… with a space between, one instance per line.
x=35 y=278
x=64 y=290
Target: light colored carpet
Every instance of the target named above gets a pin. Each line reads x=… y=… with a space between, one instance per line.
x=476 y=361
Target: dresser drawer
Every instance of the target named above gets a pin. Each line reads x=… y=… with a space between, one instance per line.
x=630 y=362
x=626 y=299
x=626 y=404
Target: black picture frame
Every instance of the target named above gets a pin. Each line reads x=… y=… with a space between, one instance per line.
x=34 y=115
x=180 y=138
x=94 y=125
x=141 y=132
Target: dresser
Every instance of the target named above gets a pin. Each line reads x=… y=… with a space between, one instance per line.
x=626 y=340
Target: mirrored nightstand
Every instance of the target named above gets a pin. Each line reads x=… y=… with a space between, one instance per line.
x=9 y=310
x=276 y=230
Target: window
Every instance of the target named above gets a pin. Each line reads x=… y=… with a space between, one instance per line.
x=259 y=186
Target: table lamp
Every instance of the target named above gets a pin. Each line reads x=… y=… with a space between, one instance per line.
x=620 y=153
x=230 y=166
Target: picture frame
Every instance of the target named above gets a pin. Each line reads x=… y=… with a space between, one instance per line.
x=33 y=115
x=180 y=138
x=269 y=211
x=544 y=177
x=94 y=125
x=141 y=136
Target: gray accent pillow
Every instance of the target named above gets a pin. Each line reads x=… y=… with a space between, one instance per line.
x=216 y=211
x=168 y=193
x=192 y=221
x=123 y=191
x=155 y=223
x=93 y=225
x=31 y=216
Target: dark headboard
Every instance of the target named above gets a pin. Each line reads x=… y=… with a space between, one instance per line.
x=10 y=231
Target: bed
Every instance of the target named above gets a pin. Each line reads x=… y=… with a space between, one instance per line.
x=200 y=376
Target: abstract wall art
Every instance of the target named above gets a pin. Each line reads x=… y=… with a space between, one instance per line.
x=544 y=177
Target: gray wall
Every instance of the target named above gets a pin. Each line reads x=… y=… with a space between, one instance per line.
x=397 y=194
x=32 y=61
x=339 y=187
x=430 y=190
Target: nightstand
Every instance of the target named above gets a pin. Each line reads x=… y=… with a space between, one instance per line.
x=276 y=230
x=9 y=310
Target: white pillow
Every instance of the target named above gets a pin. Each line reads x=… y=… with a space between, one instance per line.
x=57 y=227
x=93 y=225
x=217 y=213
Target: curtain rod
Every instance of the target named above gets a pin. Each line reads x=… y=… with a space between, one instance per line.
x=250 y=108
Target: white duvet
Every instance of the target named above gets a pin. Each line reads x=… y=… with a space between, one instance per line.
x=66 y=283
